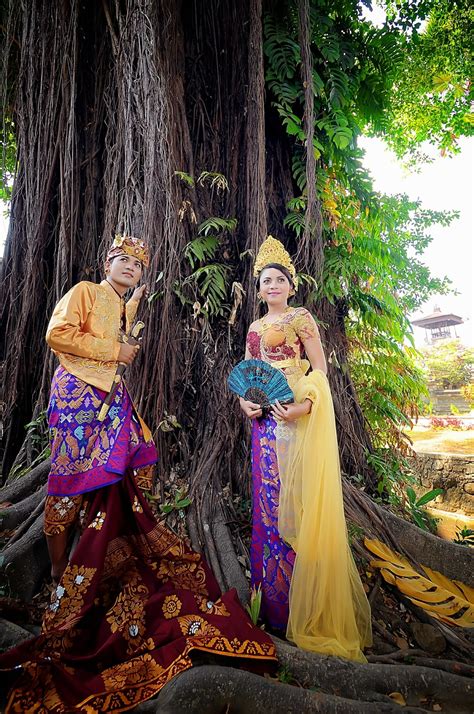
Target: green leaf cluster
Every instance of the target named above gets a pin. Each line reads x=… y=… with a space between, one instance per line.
x=448 y=364
x=373 y=244
x=415 y=507
x=432 y=98
x=207 y=287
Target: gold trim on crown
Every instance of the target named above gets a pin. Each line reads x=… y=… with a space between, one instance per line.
x=273 y=251
x=129 y=245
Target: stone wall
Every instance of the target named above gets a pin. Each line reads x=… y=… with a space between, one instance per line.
x=453 y=473
x=443 y=398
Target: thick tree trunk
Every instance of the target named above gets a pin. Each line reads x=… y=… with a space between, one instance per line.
x=111 y=100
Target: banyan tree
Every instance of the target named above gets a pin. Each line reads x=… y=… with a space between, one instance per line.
x=203 y=127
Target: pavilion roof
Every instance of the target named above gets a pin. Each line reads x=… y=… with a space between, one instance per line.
x=438 y=319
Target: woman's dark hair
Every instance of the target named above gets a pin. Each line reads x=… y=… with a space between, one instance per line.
x=279 y=267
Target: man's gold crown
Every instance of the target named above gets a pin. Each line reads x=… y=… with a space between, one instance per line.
x=129 y=245
x=273 y=251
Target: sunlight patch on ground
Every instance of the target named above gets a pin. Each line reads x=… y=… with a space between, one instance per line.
x=442 y=441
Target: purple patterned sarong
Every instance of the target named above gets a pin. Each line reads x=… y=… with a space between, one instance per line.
x=271 y=559
x=87 y=454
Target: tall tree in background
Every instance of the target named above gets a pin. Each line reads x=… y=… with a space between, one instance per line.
x=202 y=127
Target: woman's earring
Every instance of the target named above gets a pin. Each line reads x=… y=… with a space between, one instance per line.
x=291 y=293
x=259 y=296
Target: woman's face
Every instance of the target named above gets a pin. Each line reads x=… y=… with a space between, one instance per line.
x=274 y=287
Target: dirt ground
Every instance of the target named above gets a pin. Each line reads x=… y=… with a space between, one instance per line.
x=442 y=441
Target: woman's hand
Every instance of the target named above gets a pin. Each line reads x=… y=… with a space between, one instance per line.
x=138 y=293
x=290 y=412
x=250 y=409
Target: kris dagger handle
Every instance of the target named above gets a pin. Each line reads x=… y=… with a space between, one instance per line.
x=133 y=338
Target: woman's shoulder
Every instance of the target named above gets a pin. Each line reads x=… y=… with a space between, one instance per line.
x=254 y=326
x=299 y=313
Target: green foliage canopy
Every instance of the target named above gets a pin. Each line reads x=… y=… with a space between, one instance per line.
x=433 y=96
x=448 y=364
x=373 y=243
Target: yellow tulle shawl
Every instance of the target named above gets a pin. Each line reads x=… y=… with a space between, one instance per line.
x=329 y=611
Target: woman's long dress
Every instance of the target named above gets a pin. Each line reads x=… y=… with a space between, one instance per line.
x=280 y=343
x=312 y=589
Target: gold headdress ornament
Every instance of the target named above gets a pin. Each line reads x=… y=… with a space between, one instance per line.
x=128 y=245
x=273 y=251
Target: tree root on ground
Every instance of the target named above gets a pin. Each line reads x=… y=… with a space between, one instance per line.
x=25 y=562
x=14 y=491
x=417 y=684
x=454 y=562
x=216 y=689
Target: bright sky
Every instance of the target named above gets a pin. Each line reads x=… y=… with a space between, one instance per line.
x=445 y=184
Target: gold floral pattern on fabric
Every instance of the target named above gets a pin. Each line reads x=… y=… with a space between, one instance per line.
x=137 y=670
x=127 y=615
x=234 y=648
x=212 y=608
x=193 y=625
x=171 y=606
x=98 y=521
x=161 y=542
x=136 y=681
x=281 y=343
x=129 y=683
x=183 y=574
x=284 y=338
x=143 y=477
x=119 y=553
x=61 y=640
x=60 y=512
x=68 y=597
x=39 y=696
x=137 y=506
x=98 y=310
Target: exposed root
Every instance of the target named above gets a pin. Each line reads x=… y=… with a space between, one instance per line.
x=365 y=681
x=217 y=689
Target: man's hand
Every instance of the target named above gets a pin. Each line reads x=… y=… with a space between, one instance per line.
x=138 y=293
x=250 y=409
x=127 y=353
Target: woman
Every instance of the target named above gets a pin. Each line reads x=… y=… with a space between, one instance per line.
x=300 y=555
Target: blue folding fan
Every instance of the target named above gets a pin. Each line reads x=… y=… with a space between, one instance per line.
x=259 y=382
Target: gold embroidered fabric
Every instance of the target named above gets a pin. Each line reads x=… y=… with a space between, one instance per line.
x=281 y=343
x=84 y=331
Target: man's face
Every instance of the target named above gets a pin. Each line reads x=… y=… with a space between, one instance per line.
x=124 y=270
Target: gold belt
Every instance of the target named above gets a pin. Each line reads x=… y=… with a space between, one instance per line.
x=302 y=364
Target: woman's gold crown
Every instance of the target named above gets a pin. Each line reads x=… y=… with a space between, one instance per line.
x=273 y=251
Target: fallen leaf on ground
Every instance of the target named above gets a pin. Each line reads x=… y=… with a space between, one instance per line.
x=398 y=697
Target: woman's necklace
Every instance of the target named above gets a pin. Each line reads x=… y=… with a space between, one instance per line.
x=267 y=324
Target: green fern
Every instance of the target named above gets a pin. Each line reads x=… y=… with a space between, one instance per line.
x=216 y=224
x=201 y=248
x=211 y=282
x=185 y=177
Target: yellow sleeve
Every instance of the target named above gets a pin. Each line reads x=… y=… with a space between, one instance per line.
x=131 y=310
x=66 y=333
x=305 y=325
